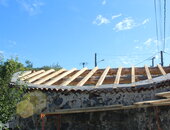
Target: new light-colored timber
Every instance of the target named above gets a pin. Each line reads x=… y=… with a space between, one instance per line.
x=117 y=79
x=49 y=76
x=102 y=77
x=164 y=94
x=40 y=75
x=161 y=69
x=133 y=74
x=152 y=101
x=105 y=108
x=148 y=72
x=83 y=81
x=69 y=80
x=32 y=74
x=60 y=77
x=25 y=73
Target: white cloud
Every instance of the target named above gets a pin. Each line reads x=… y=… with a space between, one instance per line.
x=146 y=21
x=116 y=16
x=128 y=23
x=31 y=6
x=148 y=42
x=103 y=2
x=125 y=24
x=101 y=20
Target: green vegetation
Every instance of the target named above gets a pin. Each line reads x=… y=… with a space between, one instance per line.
x=9 y=95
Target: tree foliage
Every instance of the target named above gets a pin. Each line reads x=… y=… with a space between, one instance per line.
x=9 y=96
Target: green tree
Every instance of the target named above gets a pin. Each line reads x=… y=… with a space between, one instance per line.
x=9 y=95
x=29 y=64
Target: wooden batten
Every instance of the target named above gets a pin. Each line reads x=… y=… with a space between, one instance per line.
x=49 y=76
x=100 y=81
x=69 y=80
x=60 y=77
x=83 y=81
x=117 y=79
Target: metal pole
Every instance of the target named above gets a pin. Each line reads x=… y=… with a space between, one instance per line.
x=153 y=61
x=95 y=60
x=162 y=61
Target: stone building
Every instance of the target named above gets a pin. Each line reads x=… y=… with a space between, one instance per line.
x=135 y=98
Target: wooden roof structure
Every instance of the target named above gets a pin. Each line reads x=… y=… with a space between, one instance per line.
x=94 y=77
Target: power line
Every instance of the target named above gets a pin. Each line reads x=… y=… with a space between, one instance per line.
x=164 y=24
x=149 y=58
x=156 y=24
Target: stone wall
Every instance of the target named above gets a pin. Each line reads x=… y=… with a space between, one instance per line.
x=134 y=119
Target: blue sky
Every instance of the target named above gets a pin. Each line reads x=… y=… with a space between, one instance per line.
x=69 y=32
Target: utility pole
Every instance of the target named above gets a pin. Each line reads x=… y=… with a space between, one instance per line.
x=95 y=59
x=153 y=61
x=162 y=60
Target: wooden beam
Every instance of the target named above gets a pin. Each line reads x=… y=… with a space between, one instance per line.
x=152 y=101
x=49 y=76
x=83 y=81
x=32 y=74
x=104 y=108
x=164 y=94
x=148 y=72
x=40 y=75
x=69 y=80
x=133 y=74
x=161 y=69
x=117 y=79
x=25 y=73
x=100 y=81
x=60 y=77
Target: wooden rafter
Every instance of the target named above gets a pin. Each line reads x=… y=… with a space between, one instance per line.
x=148 y=72
x=100 y=81
x=83 y=81
x=69 y=80
x=60 y=77
x=117 y=79
x=25 y=73
x=32 y=74
x=161 y=69
x=49 y=76
x=133 y=74
x=40 y=75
